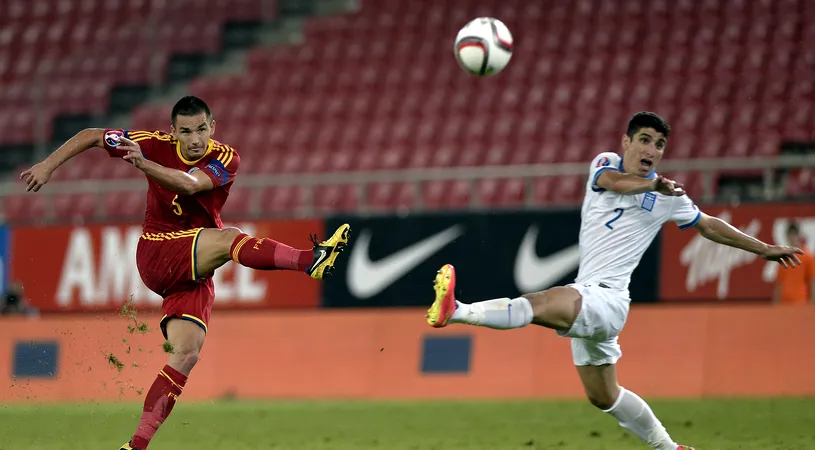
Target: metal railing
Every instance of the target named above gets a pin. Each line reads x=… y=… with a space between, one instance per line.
x=416 y=177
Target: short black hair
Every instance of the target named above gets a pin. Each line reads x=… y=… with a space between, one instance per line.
x=190 y=106
x=793 y=227
x=647 y=119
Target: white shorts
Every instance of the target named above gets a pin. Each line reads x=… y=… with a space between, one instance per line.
x=594 y=332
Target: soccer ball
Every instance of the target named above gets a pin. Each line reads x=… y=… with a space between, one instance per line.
x=484 y=46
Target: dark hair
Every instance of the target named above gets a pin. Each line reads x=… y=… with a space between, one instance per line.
x=793 y=227
x=647 y=119
x=190 y=106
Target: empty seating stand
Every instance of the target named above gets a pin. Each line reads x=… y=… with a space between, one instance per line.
x=64 y=56
x=379 y=89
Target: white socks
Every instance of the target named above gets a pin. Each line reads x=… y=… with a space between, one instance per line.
x=500 y=314
x=633 y=413
x=630 y=410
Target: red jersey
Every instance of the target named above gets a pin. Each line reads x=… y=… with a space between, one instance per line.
x=167 y=210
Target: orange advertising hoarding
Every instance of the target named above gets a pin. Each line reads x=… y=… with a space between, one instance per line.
x=696 y=269
x=93 y=268
x=668 y=351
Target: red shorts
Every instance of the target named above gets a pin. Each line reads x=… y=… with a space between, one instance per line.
x=166 y=263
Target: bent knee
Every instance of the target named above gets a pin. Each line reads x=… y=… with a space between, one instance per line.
x=228 y=235
x=603 y=399
x=556 y=307
x=185 y=359
x=221 y=240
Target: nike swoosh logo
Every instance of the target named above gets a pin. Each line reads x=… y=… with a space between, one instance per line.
x=320 y=259
x=533 y=273
x=367 y=278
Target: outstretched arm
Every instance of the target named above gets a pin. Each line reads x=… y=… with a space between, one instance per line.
x=628 y=184
x=173 y=179
x=719 y=231
x=39 y=174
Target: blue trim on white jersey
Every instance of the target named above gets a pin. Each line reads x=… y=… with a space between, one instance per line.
x=692 y=222
x=597 y=175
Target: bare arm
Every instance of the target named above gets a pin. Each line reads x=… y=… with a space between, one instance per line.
x=719 y=231
x=175 y=180
x=628 y=184
x=38 y=175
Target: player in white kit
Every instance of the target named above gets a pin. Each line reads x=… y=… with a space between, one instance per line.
x=625 y=206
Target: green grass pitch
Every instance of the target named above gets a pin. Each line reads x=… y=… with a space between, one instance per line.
x=768 y=424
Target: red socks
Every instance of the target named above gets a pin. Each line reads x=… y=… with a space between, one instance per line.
x=158 y=404
x=266 y=254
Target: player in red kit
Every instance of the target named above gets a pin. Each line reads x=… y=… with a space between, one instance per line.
x=184 y=241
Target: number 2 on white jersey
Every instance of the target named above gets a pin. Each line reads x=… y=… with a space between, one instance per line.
x=619 y=212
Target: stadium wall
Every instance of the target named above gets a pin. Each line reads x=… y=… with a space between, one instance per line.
x=669 y=351
x=391 y=261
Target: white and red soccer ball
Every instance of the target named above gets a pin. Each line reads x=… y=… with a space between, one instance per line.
x=484 y=46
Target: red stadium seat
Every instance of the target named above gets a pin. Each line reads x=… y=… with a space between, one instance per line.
x=240 y=204
x=391 y=196
x=501 y=193
x=733 y=78
x=76 y=208
x=125 y=205
x=446 y=194
x=74 y=44
x=800 y=182
x=26 y=207
x=334 y=199
x=282 y=200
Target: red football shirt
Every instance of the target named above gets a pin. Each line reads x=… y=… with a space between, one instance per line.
x=167 y=210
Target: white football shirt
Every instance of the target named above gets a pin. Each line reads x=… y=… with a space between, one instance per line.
x=617 y=229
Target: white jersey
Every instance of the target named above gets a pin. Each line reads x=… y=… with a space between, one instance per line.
x=616 y=229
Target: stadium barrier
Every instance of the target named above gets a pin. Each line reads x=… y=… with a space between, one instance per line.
x=93 y=268
x=391 y=261
x=695 y=269
x=707 y=168
x=668 y=351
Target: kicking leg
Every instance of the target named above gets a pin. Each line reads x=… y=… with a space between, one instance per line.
x=555 y=308
x=600 y=383
x=187 y=338
x=215 y=247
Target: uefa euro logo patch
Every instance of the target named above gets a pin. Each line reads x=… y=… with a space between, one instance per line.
x=648 y=201
x=113 y=138
x=604 y=161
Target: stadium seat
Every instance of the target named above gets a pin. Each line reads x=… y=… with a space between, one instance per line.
x=76 y=208
x=336 y=199
x=80 y=55
x=618 y=91
x=241 y=202
x=282 y=200
x=125 y=204
x=391 y=196
x=26 y=207
x=800 y=182
x=372 y=90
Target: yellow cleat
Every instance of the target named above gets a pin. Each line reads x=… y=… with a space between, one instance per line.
x=326 y=252
x=444 y=305
x=127 y=447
